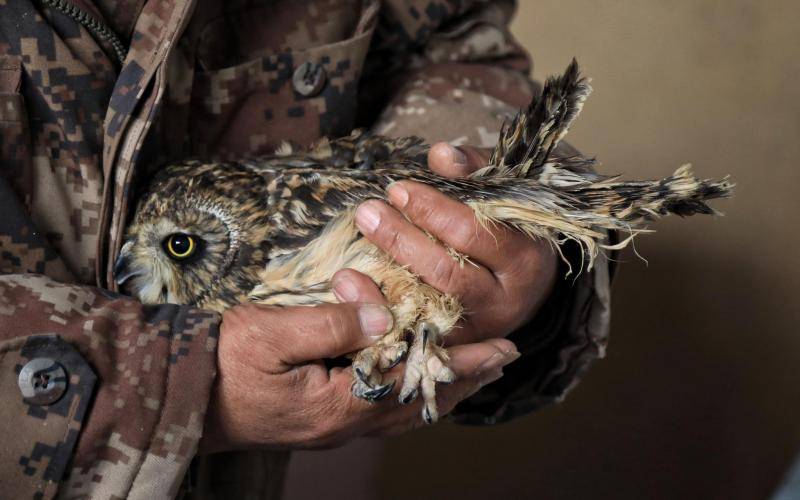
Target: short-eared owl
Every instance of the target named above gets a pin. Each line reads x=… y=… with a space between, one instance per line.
x=274 y=230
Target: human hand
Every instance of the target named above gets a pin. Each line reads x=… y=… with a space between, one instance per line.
x=512 y=275
x=273 y=390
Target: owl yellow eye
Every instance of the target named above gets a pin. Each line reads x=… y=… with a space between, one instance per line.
x=180 y=246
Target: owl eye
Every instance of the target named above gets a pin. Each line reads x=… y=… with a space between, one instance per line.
x=180 y=246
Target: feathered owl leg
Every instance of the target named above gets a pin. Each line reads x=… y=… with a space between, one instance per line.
x=426 y=365
x=420 y=311
x=427 y=361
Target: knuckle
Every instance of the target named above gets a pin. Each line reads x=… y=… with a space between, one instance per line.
x=422 y=206
x=240 y=332
x=464 y=235
x=331 y=418
x=446 y=274
x=393 y=239
x=315 y=414
x=337 y=326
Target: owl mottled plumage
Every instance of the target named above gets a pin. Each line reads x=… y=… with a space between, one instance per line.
x=274 y=230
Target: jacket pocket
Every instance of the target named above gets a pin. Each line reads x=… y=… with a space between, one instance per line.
x=292 y=88
x=15 y=144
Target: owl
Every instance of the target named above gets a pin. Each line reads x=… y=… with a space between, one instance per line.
x=273 y=230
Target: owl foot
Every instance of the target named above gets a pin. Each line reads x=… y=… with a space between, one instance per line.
x=368 y=365
x=426 y=365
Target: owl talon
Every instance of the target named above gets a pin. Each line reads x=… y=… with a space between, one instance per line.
x=409 y=396
x=429 y=416
x=392 y=355
x=362 y=376
x=396 y=361
x=379 y=392
x=371 y=394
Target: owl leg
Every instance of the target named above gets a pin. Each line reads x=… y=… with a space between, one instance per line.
x=426 y=365
x=369 y=363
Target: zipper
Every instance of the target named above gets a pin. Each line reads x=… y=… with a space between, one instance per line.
x=88 y=21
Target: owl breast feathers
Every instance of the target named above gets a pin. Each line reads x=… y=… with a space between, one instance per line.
x=274 y=230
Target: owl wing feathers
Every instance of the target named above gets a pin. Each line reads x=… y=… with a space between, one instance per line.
x=526 y=185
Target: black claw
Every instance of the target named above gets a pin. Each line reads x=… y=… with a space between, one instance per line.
x=396 y=361
x=425 y=333
x=379 y=392
x=411 y=396
x=361 y=375
x=426 y=415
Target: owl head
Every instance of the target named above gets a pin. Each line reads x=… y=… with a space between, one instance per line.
x=197 y=237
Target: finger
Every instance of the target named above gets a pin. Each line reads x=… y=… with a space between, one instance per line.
x=350 y=285
x=471 y=360
x=455 y=224
x=301 y=334
x=475 y=365
x=410 y=246
x=450 y=161
x=449 y=397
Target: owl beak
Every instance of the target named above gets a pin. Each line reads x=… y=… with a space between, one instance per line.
x=122 y=270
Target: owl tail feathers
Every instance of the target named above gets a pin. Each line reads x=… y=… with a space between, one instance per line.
x=681 y=194
x=582 y=212
x=526 y=142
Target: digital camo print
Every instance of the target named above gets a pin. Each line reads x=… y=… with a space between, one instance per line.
x=146 y=416
x=66 y=83
x=213 y=79
x=41 y=453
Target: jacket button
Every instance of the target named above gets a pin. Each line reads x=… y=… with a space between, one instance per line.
x=42 y=381
x=308 y=79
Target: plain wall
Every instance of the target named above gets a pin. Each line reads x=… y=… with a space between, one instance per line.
x=699 y=395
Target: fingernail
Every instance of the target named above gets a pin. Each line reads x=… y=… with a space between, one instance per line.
x=376 y=321
x=498 y=360
x=490 y=377
x=398 y=195
x=345 y=290
x=367 y=217
x=458 y=157
x=486 y=379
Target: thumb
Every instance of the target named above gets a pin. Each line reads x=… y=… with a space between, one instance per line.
x=296 y=335
x=451 y=161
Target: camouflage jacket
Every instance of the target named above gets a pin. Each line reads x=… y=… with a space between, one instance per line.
x=104 y=396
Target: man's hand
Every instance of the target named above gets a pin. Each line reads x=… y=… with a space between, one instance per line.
x=510 y=275
x=272 y=390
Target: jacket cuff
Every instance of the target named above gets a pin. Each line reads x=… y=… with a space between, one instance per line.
x=562 y=341
x=155 y=366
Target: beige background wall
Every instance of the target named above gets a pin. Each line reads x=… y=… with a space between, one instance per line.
x=699 y=396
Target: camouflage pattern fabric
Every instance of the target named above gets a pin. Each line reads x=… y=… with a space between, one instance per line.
x=78 y=132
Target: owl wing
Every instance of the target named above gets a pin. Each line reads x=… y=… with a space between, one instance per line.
x=308 y=206
x=303 y=201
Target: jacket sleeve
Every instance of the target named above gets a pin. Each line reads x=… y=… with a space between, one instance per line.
x=456 y=74
x=102 y=396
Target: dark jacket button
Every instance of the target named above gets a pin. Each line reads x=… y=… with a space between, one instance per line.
x=42 y=381
x=309 y=79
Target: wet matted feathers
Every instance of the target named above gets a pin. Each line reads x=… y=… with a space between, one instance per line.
x=274 y=230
